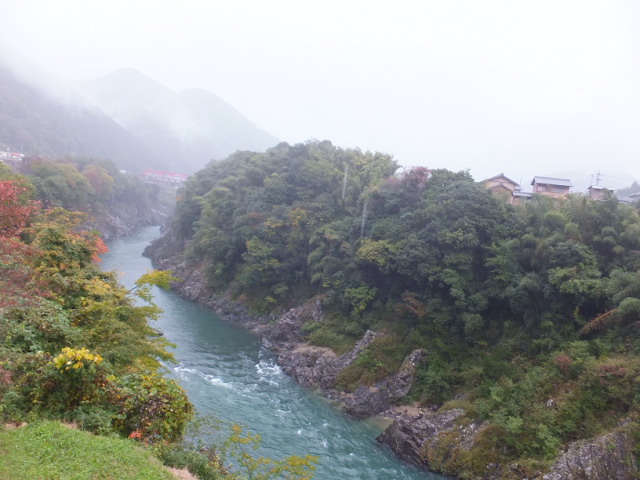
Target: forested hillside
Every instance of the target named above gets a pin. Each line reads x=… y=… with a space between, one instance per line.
x=125 y=117
x=117 y=203
x=38 y=123
x=528 y=315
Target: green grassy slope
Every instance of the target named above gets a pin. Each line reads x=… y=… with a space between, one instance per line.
x=49 y=450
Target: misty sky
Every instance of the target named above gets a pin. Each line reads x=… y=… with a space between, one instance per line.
x=520 y=87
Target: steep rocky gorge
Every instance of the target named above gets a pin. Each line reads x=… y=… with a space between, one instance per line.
x=312 y=366
x=124 y=218
x=445 y=441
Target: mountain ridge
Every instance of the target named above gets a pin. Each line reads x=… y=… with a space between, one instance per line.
x=187 y=128
x=125 y=116
x=39 y=123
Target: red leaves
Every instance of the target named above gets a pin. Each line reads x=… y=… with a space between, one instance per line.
x=563 y=362
x=15 y=208
x=17 y=281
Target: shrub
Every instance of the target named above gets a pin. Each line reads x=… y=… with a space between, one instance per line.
x=152 y=408
x=203 y=463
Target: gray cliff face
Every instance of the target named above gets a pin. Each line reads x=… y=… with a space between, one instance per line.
x=319 y=367
x=607 y=457
x=408 y=434
x=124 y=220
x=367 y=401
x=430 y=440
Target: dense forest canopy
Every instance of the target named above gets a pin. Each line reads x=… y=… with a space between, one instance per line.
x=313 y=218
x=514 y=304
x=85 y=184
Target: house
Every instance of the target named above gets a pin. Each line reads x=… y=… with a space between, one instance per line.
x=633 y=198
x=519 y=196
x=552 y=187
x=502 y=185
x=11 y=157
x=597 y=192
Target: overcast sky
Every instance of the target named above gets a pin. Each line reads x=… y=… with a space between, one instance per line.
x=521 y=87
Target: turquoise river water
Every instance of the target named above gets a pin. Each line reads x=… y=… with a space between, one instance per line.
x=227 y=374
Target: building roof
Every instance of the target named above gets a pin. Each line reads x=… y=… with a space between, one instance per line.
x=625 y=199
x=598 y=187
x=518 y=193
x=501 y=175
x=562 y=182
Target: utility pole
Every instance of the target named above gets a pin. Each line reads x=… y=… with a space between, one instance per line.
x=598 y=175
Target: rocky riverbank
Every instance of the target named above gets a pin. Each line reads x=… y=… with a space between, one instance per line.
x=124 y=219
x=445 y=441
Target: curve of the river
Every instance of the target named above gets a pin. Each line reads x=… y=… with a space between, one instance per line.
x=227 y=374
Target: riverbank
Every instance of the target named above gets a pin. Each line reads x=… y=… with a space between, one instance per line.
x=446 y=440
x=311 y=366
x=230 y=376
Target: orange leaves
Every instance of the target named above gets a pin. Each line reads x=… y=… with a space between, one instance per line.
x=100 y=249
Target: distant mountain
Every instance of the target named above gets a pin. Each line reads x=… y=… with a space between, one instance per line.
x=185 y=130
x=53 y=122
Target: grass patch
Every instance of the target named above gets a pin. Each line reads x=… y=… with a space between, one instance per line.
x=331 y=334
x=52 y=451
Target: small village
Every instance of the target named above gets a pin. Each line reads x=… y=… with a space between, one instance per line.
x=548 y=186
x=499 y=184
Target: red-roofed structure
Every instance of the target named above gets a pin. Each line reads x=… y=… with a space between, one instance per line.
x=163 y=178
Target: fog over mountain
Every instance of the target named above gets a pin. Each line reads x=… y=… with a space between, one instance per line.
x=185 y=130
x=125 y=116
x=54 y=122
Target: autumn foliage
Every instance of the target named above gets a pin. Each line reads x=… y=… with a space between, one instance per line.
x=72 y=341
x=15 y=208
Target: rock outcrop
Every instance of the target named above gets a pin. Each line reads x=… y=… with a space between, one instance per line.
x=608 y=457
x=366 y=401
x=319 y=367
x=124 y=218
x=424 y=438
x=443 y=442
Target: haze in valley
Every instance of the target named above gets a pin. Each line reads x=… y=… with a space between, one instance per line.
x=525 y=88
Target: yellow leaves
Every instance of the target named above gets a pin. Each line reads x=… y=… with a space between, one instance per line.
x=264 y=468
x=160 y=278
x=98 y=287
x=72 y=358
x=377 y=252
x=297 y=216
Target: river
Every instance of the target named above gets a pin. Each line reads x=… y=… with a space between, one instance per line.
x=228 y=374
